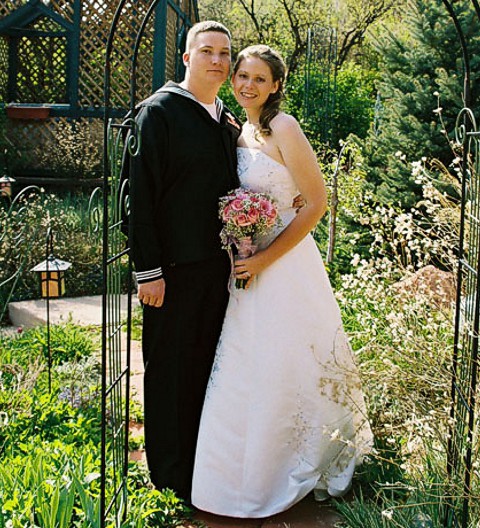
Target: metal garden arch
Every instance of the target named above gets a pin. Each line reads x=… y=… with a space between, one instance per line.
x=463 y=443
x=170 y=19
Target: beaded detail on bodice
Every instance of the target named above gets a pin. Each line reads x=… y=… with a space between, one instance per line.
x=261 y=173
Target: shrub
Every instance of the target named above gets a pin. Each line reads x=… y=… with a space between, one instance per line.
x=67 y=343
x=404 y=341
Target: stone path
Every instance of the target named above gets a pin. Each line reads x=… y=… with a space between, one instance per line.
x=306 y=514
x=87 y=311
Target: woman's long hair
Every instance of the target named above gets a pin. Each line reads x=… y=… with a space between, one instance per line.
x=278 y=69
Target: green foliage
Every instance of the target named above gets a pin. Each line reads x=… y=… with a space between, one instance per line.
x=351 y=236
x=50 y=442
x=399 y=499
x=354 y=101
x=28 y=410
x=353 y=96
x=67 y=343
x=76 y=151
x=137 y=323
x=59 y=488
x=422 y=78
x=157 y=508
x=46 y=417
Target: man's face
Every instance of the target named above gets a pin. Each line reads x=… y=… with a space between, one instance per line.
x=208 y=59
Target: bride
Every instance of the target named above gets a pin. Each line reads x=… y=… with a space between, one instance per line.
x=284 y=413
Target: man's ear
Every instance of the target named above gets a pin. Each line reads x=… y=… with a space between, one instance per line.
x=186 y=58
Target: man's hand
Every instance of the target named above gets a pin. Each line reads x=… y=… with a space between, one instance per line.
x=152 y=293
x=298 y=202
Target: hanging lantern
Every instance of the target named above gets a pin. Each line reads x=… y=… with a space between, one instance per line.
x=6 y=185
x=6 y=181
x=52 y=276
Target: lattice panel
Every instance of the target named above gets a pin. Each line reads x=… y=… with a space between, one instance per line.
x=57 y=144
x=3 y=68
x=93 y=35
x=171 y=45
x=63 y=7
x=42 y=71
x=7 y=6
x=145 y=62
x=41 y=66
x=96 y=21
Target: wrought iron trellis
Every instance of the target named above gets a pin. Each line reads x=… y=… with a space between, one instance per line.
x=173 y=22
x=17 y=244
x=463 y=443
x=321 y=78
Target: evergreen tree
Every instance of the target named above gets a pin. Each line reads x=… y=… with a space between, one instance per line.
x=421 y=58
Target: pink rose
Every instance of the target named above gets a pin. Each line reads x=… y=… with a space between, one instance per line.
x=253 y=215
x=237 y=204
x=272 y=213
x=242 y=220
x=265 y=206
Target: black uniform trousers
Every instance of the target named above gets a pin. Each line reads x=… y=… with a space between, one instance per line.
x=179 y=342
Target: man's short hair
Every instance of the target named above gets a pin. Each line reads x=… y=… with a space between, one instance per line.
x=203 y=27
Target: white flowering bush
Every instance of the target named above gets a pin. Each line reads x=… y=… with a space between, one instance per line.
x=403 y=337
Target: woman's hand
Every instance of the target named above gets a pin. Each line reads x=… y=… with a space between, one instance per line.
x=250 y=267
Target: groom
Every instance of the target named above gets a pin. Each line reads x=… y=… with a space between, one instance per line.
x=187 y=161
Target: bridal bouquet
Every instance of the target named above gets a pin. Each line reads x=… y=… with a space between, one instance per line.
x=246 y=214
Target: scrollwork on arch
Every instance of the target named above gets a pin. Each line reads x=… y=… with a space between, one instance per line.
x=95 y=212
x=18 y=210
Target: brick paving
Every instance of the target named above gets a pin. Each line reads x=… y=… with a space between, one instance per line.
x=306 y=514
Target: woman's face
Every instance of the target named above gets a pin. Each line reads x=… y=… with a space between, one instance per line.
x=253 y=83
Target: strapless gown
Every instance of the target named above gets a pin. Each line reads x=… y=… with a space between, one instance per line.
x=284 y=412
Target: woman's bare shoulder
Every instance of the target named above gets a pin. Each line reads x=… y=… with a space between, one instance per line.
x=284 y=123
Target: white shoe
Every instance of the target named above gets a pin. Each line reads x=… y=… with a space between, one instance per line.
x=321 y=495
x=337 y=493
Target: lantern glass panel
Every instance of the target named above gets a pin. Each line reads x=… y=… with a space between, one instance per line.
x=53 y=284
x=6 y=188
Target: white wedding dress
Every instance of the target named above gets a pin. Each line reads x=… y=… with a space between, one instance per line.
x=284 y=412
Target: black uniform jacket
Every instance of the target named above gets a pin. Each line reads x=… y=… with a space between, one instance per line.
x=186 y=162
